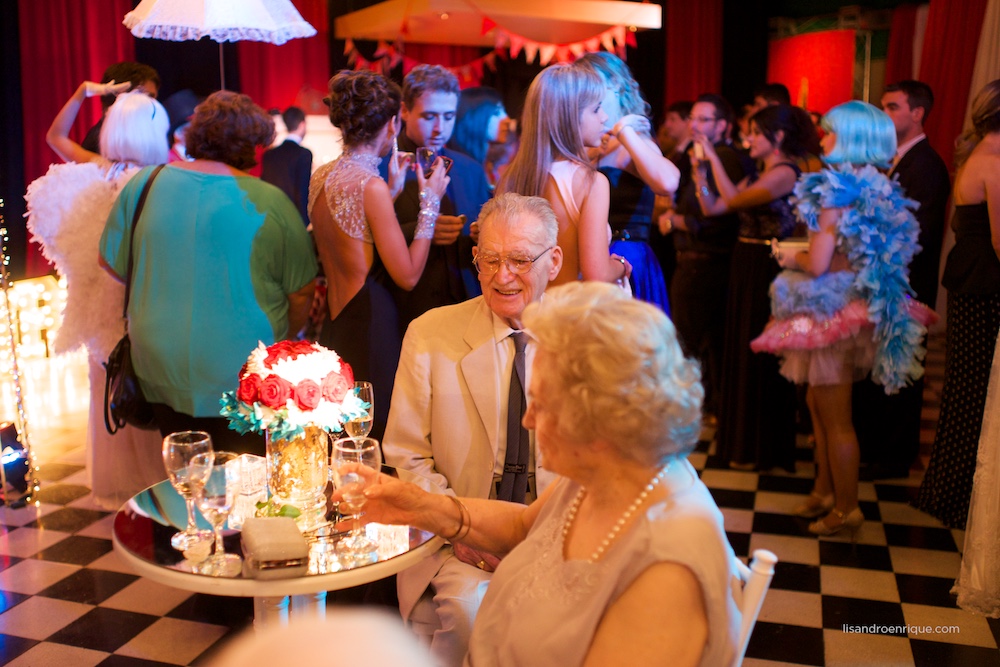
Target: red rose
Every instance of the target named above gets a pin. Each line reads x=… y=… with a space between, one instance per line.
x=347 y=372
x=275 y=392
x=335 y=387
x=249 y=390
x=302 y=347
x=278 y=352
x=307 y=394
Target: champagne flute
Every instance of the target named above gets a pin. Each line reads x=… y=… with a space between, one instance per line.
x=219 y=473
x=348 y=455
x=178 y=451
x=361 y=426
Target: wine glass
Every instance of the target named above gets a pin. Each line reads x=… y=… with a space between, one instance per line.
x=178 y=451
x=219 y=473
x=348 y=455
x=361 y=426
x=426 y=157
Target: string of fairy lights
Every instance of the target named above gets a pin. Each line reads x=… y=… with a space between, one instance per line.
x=9 y=454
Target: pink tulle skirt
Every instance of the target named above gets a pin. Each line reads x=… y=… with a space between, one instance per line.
x=836 y=350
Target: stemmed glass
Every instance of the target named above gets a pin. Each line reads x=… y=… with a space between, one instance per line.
x=425 y=160
x=362 y=426
x=348 y=455
x=178 y=451
x=219 y=473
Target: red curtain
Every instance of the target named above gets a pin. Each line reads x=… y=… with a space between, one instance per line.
x=693 y=60
x=902 y=31
x=295 y=73
x=946 y=65
x=62 y=43
x=817 y=67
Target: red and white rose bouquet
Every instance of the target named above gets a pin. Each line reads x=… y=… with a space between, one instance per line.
x=290 y=385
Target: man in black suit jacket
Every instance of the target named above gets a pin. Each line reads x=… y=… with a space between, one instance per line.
x=888 y=427
x=430 y=107
x=289 y=165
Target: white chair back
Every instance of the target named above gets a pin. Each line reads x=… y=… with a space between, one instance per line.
x=756 y=581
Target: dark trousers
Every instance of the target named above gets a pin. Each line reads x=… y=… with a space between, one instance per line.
x=698 y=308
x=223 y=438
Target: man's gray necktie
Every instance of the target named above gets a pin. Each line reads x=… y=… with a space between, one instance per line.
x=514 y=483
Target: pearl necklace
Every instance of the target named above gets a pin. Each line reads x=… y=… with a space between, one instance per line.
x=617 y=528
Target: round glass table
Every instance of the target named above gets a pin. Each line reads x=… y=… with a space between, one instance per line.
x=141 y=536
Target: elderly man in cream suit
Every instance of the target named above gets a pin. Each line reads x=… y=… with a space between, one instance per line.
x=449 y=416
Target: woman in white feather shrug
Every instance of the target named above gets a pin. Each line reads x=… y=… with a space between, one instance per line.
x=67 y=209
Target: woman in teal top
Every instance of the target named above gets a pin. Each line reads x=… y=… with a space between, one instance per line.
x=221 y=261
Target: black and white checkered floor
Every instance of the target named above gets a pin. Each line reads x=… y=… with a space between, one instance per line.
x=66 y=599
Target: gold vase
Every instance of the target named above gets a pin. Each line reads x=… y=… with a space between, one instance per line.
x=297 y=474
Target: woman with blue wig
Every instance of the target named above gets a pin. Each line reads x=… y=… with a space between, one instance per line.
x=843 y=308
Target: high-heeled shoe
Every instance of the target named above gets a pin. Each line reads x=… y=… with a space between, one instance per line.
x=851 y=521
x=815 y=505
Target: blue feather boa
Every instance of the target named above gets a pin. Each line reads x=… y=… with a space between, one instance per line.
x=878 y=234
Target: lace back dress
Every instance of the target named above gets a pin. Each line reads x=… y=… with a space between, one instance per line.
x=366 y=331
x=345 y=179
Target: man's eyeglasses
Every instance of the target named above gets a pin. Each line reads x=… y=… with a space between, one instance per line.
x=489 y=263
x=703 y=119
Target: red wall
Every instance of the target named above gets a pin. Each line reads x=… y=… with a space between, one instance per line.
x=825 y=59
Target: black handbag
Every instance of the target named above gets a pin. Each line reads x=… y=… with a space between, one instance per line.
x=124 y=402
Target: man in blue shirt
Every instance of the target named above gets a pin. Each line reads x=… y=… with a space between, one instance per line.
x=430 y=105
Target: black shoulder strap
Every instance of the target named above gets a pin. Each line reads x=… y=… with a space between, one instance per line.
x=131 y=239
x=796 y=168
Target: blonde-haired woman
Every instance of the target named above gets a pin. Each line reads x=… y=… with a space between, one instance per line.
x=563 y=116
x=972 y=278
x=615 y=408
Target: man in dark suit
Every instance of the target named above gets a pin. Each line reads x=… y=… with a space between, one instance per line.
x=888 y=427
x=430 y=105
x=704 y=246
x=289 y=165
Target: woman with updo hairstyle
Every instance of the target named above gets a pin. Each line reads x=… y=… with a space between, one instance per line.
x=972 y=278
x=756 y=405
x=357 y=233
x=843 y=306
x=67 y=208
x=221 y=262
x=615 y=408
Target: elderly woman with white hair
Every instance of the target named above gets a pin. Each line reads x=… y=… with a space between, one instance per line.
x=624 y=560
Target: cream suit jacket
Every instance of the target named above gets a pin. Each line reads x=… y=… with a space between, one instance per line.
x=445 y=419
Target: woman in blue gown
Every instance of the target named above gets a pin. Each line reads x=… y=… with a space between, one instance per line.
x=637 y=171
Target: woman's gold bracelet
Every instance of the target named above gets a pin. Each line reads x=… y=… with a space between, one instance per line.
x=464 y=521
